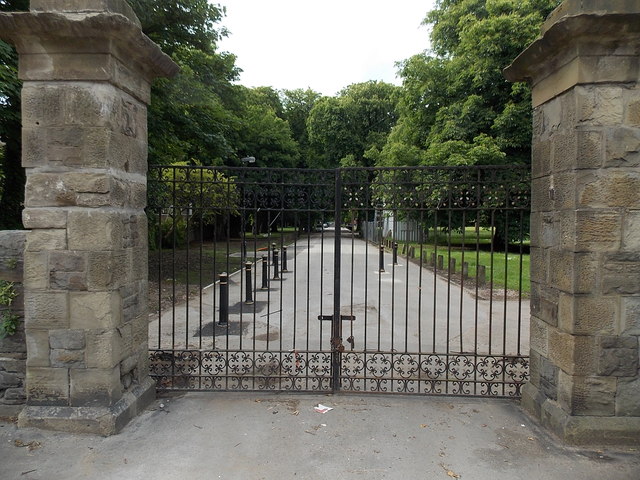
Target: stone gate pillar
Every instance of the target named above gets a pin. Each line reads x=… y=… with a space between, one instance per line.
x=585 y=226
x=87 y=69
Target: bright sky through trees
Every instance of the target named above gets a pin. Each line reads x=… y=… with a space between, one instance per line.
x=323 y=44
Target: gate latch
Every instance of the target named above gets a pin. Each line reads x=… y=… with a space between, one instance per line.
x=329 y=318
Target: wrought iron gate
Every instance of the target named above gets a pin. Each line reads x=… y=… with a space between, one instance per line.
x=408 y=280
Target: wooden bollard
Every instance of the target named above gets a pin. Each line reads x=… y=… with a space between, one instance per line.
x=452 y=264
x=440 y=262
x=465 y=270
x=481 y=275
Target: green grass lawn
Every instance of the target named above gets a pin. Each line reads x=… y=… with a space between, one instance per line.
x=503 y=269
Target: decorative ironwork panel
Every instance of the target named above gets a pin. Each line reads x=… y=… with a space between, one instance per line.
x=395 y=280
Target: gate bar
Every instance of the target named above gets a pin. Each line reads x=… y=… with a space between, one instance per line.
x=336 y=324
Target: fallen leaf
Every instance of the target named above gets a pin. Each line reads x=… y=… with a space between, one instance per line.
x=423 y=425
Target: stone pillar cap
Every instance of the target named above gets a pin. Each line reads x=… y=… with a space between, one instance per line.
x=84 y=6
x=566 y=25
x=23 y=27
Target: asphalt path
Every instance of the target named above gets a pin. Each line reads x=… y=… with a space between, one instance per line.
x=405 y=308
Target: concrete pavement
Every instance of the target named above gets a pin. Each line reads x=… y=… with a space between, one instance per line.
x=255 y=436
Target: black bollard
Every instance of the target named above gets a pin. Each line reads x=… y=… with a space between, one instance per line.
x=276 y=272
x=249 y=295
x=224 y=299
x=395 y=253
x=265 y=273
x=284 y=260
x=381 y=258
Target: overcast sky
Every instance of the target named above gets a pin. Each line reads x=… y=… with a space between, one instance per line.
x=323 y=44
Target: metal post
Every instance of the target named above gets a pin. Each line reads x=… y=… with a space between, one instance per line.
x=249 y=287
x=276 y=273
x=284 y=260
x=381 y=269
x=224 y=299
x=265 y=273
x=244 y=250
x=395 y=253
x=273 y=250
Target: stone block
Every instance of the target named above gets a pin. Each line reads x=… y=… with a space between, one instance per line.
x=67 y=339
x=539 y=336
x=595 y=396
x=622 y=147
x=120 y=7
x=43 y=218
x=597 y=231
x=140 y=330
x=126 y=335
x=573 y=272
x=45 y=240
x=92 y=105
x=539 y=265
x=72 y=281
x=548 y=379
x=534 y=367
x=67 y=261
x=544 y=305
x=563 y=190
x=590 y=149
x=574 y=354
x=620 y=273
x=47 y=386
x=588 y=314
x=67 y=358
x=14 y=396
x=550 y=231
x=564 y=151
x=9 y=380
x=104 y=349
x=609 y=189
x=95 y=310
x=38 y=348
x=95 y=387
x=631 y=231
x=139 y=263
x=619 y=357
x=45 y=310
x=599 y=105
x=95 y=230
x=628 y=397
x=542 y=194
x=107 y=270
x=34 y=147
x=540 y=158
x=41 y=105
x=630 y=316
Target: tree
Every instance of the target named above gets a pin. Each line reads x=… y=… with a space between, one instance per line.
x=262 y=133
x=191 y=117
x=456 y=107
x=12 y=177
x=354 y=122
x=297 y=105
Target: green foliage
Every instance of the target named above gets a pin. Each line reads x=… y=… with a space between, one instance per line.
x=9 y=321
x=359 y=118
x=191 y=117
x=11 y=172
x=456 y=107
x=264 y=133
x=297 y=107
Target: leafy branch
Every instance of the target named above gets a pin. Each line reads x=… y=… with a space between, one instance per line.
x=9 y=321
